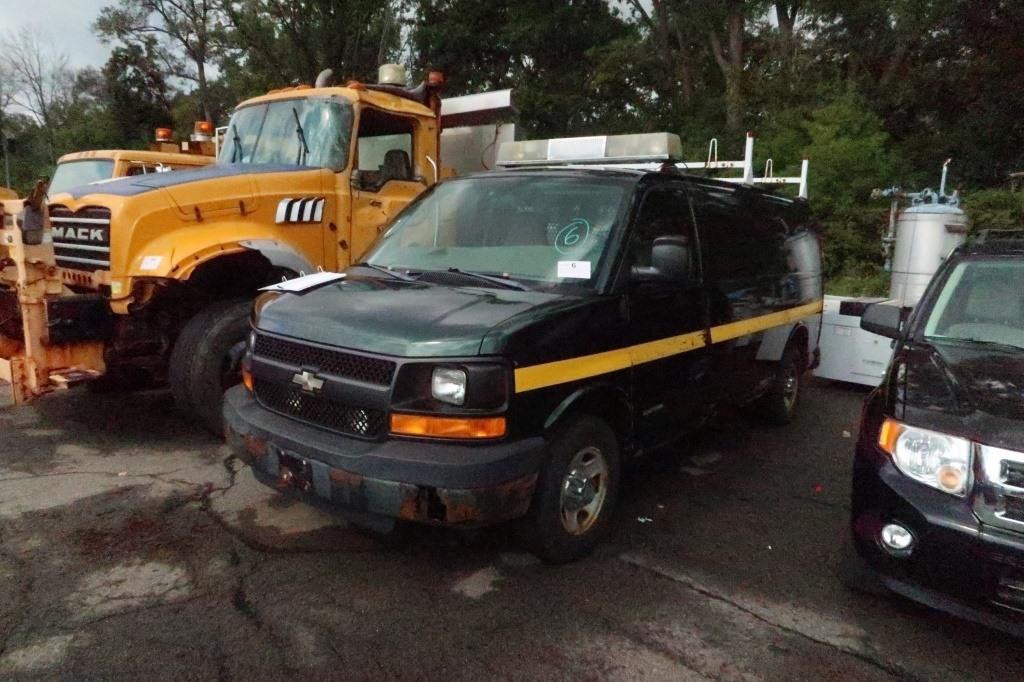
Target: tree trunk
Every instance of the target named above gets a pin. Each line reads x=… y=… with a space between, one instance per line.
x=204 y=99
x=730 y=62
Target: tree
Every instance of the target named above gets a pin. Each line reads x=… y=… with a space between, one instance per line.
x=40 y=79
x=137 y=94
x=186 y=29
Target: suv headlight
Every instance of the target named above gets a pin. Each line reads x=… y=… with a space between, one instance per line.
x=936 y=459
x=448 y=385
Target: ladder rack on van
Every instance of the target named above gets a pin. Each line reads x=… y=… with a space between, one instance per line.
x=644 y=151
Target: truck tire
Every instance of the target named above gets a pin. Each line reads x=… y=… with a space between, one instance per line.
x=778 y=405
x=576 y=491
x=203 y=365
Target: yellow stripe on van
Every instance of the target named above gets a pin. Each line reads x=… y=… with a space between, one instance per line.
x=586 y=366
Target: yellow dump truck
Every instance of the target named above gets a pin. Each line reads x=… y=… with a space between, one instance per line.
x=153 y=275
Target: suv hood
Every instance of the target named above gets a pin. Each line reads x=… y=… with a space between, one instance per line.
x=976 y=391
x=401 y=318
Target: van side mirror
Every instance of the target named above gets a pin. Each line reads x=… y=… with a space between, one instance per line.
x=882 y=319
x=670 y=261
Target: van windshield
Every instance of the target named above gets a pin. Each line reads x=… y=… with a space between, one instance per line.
x=981 y=302
x=304 y=132
x=543 y=230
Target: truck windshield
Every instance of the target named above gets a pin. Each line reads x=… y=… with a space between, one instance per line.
x=981 y=302
x=304 y=132
x=541 y=229
x=74 y=173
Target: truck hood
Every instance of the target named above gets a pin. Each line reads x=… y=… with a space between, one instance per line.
x=140 y=184
x=974 y=390
x=400 y=318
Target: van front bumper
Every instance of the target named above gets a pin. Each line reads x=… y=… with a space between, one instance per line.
x=448 y=484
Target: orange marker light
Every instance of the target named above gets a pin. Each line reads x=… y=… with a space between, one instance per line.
x=887 y=437
x=447 y=427
x=164 y=135
x=247 y=380
x=203 y=128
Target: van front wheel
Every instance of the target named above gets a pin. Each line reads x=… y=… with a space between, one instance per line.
x=576 y=491
x=205 y=362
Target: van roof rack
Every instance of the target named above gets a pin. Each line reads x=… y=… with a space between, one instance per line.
x=643 y=151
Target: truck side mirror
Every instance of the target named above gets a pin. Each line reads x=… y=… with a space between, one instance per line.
x=670 y=261
x=882 y=319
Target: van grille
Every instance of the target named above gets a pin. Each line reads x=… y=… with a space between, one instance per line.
x=348 y=365
x=319 y=411
x=81 y=239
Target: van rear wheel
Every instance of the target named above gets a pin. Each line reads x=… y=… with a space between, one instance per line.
x=778 y=405
x=206 y=361
x=576 y=491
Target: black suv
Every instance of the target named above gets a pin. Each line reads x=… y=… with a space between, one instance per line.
x=515 y=337
x=938 y=478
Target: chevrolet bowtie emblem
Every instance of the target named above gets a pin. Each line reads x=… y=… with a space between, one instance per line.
x=308 y=381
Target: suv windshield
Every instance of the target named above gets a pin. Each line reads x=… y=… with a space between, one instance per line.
x=305 y=132
x=546 y=230
x=981 y=301
x=74 y=173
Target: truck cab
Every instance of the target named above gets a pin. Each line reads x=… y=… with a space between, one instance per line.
x=163 y=266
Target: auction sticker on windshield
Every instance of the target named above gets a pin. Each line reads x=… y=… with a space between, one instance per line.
x=574 y=269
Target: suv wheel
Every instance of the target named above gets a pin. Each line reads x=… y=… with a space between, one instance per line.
x=778 y=405
x=576 y=491
x=206 y=361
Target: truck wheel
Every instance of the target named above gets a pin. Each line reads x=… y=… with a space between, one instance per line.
x=204 y=362
x=576 y=491
x=778 y=405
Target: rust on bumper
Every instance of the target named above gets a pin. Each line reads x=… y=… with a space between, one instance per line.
x=462 y=507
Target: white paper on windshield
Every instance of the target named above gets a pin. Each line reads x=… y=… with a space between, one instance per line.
x=574 y=269
x=305 y=283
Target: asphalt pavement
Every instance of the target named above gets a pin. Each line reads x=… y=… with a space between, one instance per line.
x=132 y=545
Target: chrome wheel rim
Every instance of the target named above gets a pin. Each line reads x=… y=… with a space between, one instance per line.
x=584 y=489
x=790 y=387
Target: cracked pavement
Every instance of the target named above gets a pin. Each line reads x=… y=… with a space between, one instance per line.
x=134 y=545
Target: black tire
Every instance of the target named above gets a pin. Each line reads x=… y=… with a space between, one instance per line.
x=203 y=365
x=778 y=406
x=544 y=530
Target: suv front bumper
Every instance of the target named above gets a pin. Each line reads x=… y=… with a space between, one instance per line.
x=956 y=564
x=449 y=484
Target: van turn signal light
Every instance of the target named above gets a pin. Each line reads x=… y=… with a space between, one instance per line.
x=426 y=426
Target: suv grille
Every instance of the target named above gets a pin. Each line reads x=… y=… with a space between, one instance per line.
x=339 y=363
x=318 y=411
x=81 y=240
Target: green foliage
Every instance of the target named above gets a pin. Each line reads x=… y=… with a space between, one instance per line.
x=995 y=209
x=861 y=280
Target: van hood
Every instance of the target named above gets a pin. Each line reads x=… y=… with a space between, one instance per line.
x=140 y=184
x=974 y=390
x=404 y=319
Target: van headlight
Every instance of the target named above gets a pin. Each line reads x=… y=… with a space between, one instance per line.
x=936 y=459
x=448 y=385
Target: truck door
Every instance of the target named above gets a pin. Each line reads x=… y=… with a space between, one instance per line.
x=385 y=178
x=669 y=391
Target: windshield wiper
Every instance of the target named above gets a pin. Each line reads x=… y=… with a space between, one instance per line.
x=237 y=151
x=387 y=271
x=506 y=282
x=995 y=345
x=304 y=149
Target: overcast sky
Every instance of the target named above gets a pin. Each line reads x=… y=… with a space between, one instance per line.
x=67 y=24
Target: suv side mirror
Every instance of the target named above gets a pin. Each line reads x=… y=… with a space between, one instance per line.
x=670 y=261
x=882 y=319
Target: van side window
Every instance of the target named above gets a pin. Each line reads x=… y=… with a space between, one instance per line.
x=384 y=148
x=665 y=212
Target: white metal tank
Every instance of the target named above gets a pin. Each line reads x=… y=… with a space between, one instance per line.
x=925 y=234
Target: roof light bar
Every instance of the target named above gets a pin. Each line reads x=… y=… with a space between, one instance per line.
x=646 y=151
x=640 y=148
